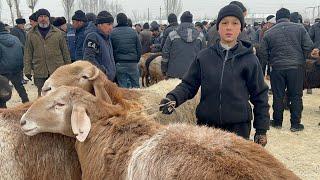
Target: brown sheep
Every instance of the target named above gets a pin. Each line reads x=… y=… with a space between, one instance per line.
x=155 y=72
x=144 y=65
x=113 y=145
x=45 y=156
x=88 y=77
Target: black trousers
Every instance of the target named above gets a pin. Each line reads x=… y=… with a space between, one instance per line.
x=292 y=79
x=240 y=129
x=16 y=80
x=39 y=82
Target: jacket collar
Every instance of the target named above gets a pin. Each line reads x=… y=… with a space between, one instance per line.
x=51 y=31
x=283 y=20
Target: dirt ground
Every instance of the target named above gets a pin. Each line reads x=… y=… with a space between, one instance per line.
x=299 y=151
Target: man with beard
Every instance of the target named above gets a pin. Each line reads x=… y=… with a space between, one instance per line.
x=45 y=50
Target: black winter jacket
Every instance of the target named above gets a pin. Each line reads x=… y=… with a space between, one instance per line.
x=20 y=34
x=314 y=33
x=126 y=45
x=167 y=31
x=286 y=45
x=228 y=80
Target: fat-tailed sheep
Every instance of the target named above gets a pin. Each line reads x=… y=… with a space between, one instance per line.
x=112 y=145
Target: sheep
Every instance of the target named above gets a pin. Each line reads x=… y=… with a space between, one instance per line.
x=88 y=77
x=112 y=144
x=155 y=72
x=144 y=64
x=45 y=156
x=5 y=91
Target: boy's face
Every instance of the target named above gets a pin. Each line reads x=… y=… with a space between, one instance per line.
x=229 y=29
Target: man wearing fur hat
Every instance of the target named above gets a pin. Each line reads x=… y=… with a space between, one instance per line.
x=19 y=30
x=97 y=44
x=181 y=48
x=45 y=50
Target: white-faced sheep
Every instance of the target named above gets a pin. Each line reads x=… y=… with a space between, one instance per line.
x=45 y=156
x=88 y=77
x=113 y=145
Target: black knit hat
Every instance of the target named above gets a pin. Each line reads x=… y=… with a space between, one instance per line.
x=2 y=27
x=20 y=21
x=231 y=10
x=91 y=17
x=295 y=17
x=44 y=12
x=146 y=26
x=172 y=18
x=104 y=17
x=240 y=5
x=33 y=16
x=282 y=13
x=186 y=17
x=79 y=16
x=122 y=19
x=154 y=26
x=59 y=21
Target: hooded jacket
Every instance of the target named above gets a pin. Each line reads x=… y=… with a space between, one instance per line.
x=228 y=80
x=180 y=49
x=173 y=26
x=98 y=50
x=11 y=53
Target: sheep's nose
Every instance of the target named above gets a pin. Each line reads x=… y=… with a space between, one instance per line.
x=23 y=122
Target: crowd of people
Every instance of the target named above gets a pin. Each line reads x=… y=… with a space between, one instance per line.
x=226 y=57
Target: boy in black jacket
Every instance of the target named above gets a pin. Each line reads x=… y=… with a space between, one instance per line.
x=229 y=75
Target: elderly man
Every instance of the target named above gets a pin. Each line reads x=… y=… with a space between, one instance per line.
x=45 y=50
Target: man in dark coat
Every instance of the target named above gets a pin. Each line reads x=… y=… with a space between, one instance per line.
x=79 y=23
x=173 y=24
x=145 y=38
x=286 y=46
x=127 y=52
x=19 y=30
x=11 y=61
x=97 y=44
x=181 y=48
x=156 y=37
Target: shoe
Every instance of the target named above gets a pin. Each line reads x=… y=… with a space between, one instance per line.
x=298 y=127
x=276 y=124
x=309 y=91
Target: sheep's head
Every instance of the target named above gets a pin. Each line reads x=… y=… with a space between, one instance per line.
x=78 y=74
x=63 y=112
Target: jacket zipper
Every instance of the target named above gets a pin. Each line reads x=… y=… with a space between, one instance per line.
x=220 y=87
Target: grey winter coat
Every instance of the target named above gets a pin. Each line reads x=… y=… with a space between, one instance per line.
x=11 y=54
x=286 y=45
x=180 y=49
x=20 y=34
x=167 y=31
x=314 y=33
x=126 y=45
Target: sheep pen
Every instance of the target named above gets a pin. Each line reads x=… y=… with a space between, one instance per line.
x=117 y=145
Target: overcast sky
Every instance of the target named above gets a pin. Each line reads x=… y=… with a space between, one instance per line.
x=199 y=8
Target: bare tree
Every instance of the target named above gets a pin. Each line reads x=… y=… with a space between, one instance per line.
x=31 y=4
x=173 y=6
x=90 y=5
x=17 y=4
x=10 y=4
x=68 y=8
x=114 y=8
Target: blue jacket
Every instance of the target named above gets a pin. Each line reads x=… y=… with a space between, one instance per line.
x=11 y=53
x=126 y=45
x=79 y=39
x=71 y=40
x=97 y=49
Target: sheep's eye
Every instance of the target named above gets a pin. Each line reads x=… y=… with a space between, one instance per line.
x=84 y=77
x=59 y=104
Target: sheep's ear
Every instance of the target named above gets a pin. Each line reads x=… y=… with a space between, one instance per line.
x=91 y=73
x=80 y=123
x=101 y=92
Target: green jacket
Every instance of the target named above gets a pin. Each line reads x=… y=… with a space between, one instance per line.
x=44 y=56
